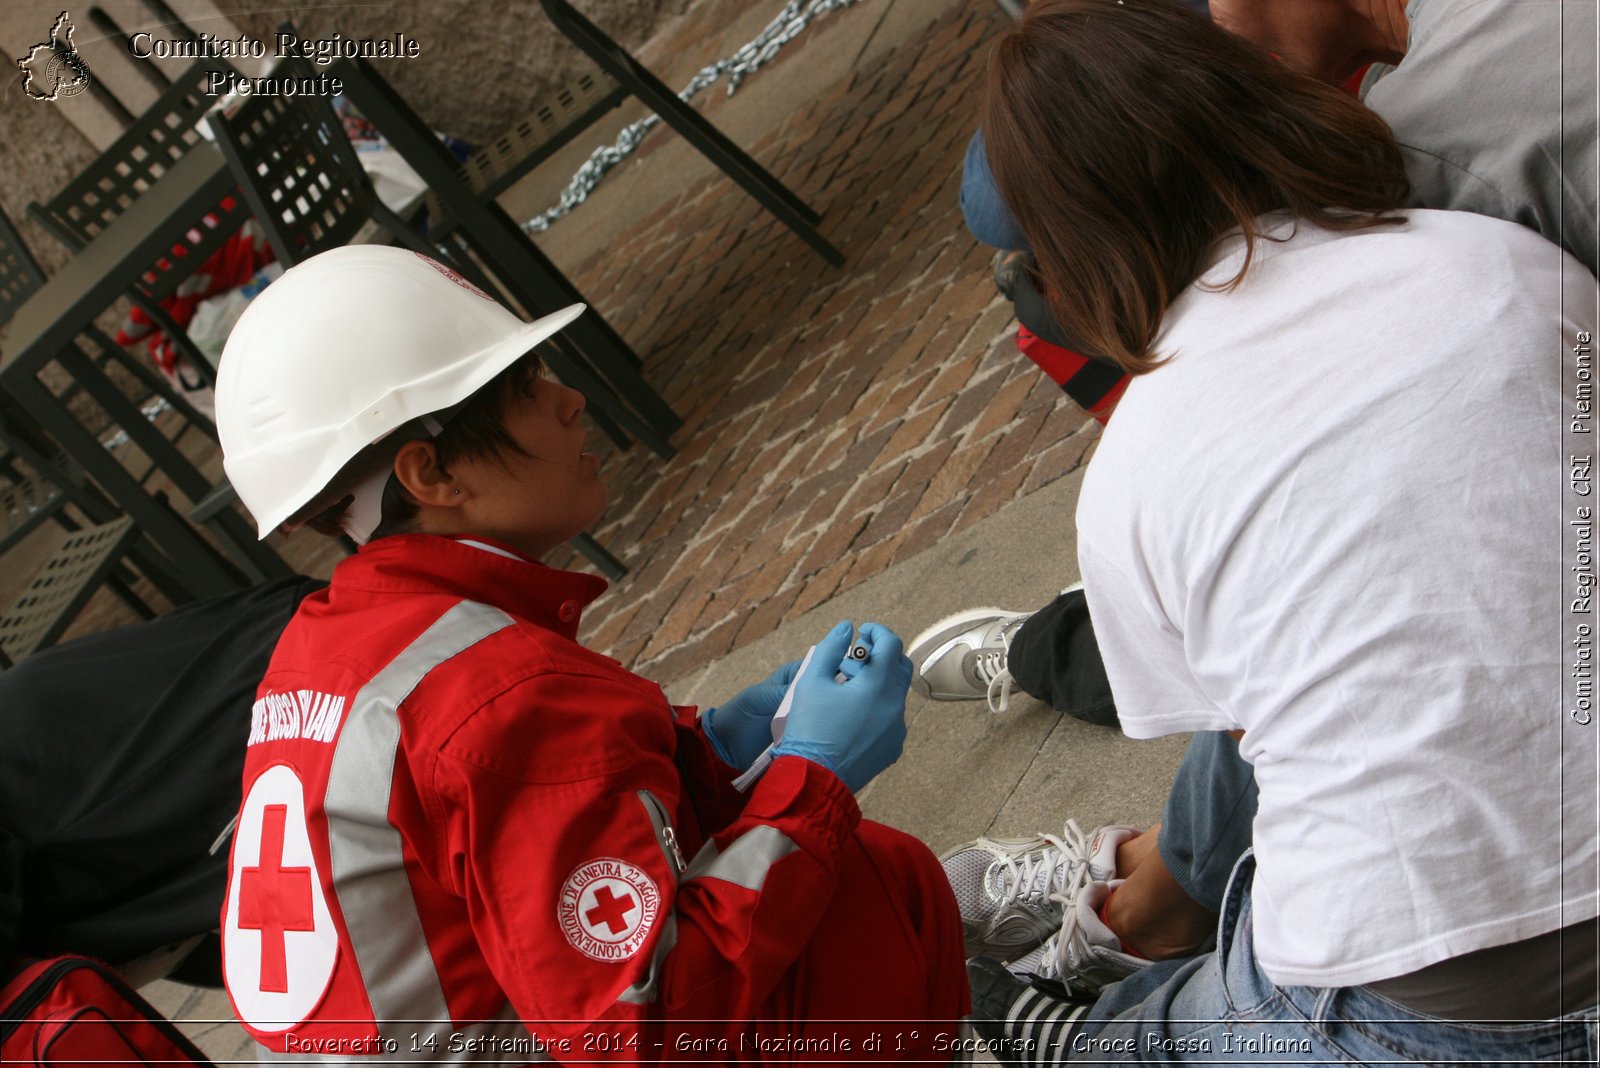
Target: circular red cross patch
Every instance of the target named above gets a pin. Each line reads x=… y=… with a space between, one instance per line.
x=607 y=908
x=279 y=945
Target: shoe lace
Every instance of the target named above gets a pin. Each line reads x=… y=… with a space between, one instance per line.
x=991 y=667
x=1078 y=946
x=1046 y=961
x=1056 y=871
x=1071 y=942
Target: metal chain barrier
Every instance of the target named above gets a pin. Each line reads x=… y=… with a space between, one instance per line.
x=789 y=24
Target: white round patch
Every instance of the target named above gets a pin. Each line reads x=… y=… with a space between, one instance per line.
x=278 y=940
x=607 y=908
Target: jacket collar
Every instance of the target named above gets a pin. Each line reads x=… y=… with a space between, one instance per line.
x=475 y=569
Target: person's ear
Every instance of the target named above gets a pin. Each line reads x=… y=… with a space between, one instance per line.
x=417 y=468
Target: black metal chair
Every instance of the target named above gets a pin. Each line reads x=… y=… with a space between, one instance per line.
x=305 y=184
x=37 y=481
x=26 y=501
x=27 y=498
x=91 y=554
x=123 y=172
x=308 y=191
x=40 y=484
x=20 y=277
x=63 y=586
x=554 y=121
x=301 y=177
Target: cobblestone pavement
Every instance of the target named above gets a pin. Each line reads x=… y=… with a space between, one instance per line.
x=837 y=420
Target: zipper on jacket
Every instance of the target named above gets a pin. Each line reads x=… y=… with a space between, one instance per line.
x=666 y=837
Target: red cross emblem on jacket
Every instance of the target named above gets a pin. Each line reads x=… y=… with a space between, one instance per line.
x=608 y=908
x=274 y=900
x=279 y=943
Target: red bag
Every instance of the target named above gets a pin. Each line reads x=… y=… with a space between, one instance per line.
x=1096 y=386
x=76 y=1011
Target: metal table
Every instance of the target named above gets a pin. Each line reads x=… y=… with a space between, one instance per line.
x=711 y=142
x=45 y=331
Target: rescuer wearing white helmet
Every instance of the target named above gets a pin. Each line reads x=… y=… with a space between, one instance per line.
x=351 y=347
x=463 y=831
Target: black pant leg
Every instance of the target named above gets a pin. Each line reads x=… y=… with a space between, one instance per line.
x=1055 y=658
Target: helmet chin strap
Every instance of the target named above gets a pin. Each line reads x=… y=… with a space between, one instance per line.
x=365 y=510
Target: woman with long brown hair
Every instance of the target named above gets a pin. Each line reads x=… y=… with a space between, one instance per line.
x=1327 y=517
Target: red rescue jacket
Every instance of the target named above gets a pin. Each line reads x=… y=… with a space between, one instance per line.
x=460 y=822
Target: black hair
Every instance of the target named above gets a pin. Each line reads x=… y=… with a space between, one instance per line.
x=473 y=430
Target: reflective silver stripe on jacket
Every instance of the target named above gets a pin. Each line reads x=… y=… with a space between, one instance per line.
x=745 y=864
x=645 y=990
x=369 y=876
x=747 y=861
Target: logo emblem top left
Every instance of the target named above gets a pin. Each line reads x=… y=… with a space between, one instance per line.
x=53 y=69
x=279 y=942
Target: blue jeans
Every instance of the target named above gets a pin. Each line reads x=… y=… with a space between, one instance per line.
x=986 y=215
x=1219 y=1007
x=1208 y=821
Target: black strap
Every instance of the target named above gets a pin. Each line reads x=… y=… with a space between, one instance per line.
x=1093 y=382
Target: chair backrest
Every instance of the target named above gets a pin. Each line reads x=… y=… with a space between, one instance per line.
x=297 y=169
x=37 y=479
x=25 y=503
x=63 y=586
x=131 y=164
x=556 y=119
x=117 y=178
x=20 y=276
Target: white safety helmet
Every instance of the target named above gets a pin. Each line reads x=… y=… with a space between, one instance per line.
x=336 y=355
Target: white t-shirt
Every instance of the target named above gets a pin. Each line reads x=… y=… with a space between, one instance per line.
x=1335 y=520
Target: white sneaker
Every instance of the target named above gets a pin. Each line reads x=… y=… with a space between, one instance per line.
x=1084 y=956
x=963 y=657
x=1014 y=893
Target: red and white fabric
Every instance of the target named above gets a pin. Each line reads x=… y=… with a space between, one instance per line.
x=466 y=836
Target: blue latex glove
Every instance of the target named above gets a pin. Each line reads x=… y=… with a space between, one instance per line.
x=741 y=727
x=854 y=728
